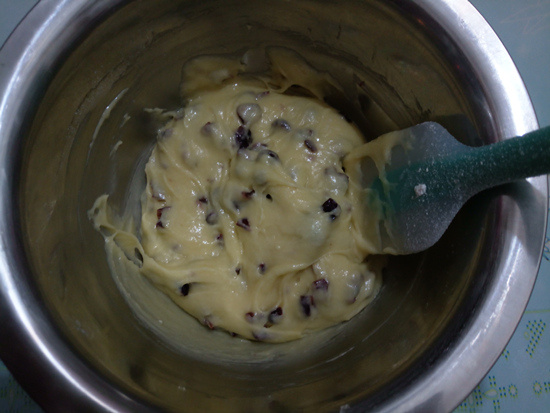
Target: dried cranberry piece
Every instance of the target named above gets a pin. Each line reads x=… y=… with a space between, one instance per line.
x=243 y=223
x=184 y=289
x=307 y=302
x=250 y=316
x=262 y=268
x=248 y=194
x=203 y=200
x=281 y=124
x=310 y=145
x=320 y=284
x=274 y=317
x=277 y=312
x=243 y=137
x=207 y=322
x=329 y=205
x=267 y=153
x=160 y=211
x=238 y=270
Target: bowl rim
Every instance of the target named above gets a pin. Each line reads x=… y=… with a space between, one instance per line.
x=27 y=336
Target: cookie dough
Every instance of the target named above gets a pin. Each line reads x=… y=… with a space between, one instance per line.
x=249 y=221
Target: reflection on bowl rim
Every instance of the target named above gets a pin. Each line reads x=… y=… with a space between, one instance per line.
x=25 y=320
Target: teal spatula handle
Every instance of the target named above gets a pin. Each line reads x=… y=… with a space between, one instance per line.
x=509 y=160
x=471 y=170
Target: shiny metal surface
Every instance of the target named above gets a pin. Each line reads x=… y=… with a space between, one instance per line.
x=442 y=318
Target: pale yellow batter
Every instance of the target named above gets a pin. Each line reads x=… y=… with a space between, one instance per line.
x=249 y=221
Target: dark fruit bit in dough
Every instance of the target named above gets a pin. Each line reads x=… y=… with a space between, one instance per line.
x=310 y=145
x=203 y=200
x=208 y=323
x=274 y=317
x=243 y=223
x=306 y=301
x=184 y=290
x=159 y=223
x=277 y=312
x=261 y=268
x=267 y=153
x=250 y=316
x=281 y=124
x=268 y=196
x=320 y=284
x=329 y=205
x=159 y=212
x=238 y=270
x=243 y=137
x=248 y=194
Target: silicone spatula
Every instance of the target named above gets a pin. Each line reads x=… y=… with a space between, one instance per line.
x=431 y=175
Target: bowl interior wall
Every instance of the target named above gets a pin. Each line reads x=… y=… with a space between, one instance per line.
x=394 y=73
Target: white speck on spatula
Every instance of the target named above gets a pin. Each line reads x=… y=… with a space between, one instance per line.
x=420 y=190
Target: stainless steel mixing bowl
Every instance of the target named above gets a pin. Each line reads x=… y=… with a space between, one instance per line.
x=74 y=79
